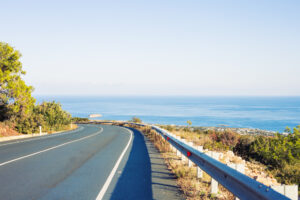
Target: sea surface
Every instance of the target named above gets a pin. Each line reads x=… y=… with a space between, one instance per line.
x=266 y=113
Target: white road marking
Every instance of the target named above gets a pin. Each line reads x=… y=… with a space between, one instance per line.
x=43 y=137
x=112 y=173
x=33 y=154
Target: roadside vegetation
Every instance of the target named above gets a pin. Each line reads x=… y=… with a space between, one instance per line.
x=280 y=155
x=275 y=156
x=18 y=109
x=135 y=120
x=210 y=139
x=80 y=120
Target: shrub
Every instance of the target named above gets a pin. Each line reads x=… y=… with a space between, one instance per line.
x=79 y=120
x=52 y=116
x=243 y=145
x=136 y=120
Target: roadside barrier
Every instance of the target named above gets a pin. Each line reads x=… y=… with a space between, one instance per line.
x=236 y=182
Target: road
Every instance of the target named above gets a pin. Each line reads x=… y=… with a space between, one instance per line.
x=92 y=162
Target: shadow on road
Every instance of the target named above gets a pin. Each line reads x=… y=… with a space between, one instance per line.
x=135 y=181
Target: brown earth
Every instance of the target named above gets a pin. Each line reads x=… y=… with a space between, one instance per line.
x=6 y=131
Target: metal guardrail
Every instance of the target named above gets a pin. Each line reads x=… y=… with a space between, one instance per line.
x=240 y=185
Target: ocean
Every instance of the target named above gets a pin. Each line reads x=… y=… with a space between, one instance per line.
x=266 y=113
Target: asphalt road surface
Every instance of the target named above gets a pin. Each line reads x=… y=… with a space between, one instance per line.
x=91 y=162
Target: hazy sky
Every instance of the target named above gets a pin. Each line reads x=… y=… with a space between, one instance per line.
x=156 y=47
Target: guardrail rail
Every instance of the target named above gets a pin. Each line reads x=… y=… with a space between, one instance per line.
x=240 y=185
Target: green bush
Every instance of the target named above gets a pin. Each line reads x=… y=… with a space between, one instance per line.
x=280 y=153
x=79 y=120
x=53 y=117
x=243 y=145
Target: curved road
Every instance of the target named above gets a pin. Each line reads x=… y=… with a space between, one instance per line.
x=92 y=162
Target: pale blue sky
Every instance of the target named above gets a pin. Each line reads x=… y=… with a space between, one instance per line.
x=156 y=47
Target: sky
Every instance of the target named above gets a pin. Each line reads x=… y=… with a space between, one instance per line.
x=170 y=47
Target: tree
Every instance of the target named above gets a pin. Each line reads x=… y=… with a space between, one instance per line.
x=136 y=120
x=189 y=122
x=17 y=106
x=52 y=116
x=15 y=96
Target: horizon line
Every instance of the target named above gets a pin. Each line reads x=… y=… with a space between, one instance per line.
x=156 y=95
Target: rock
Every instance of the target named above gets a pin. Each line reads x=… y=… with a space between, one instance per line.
x=230 y=153
x=94 y=115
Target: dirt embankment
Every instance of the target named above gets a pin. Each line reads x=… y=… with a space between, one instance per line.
x=6 y=131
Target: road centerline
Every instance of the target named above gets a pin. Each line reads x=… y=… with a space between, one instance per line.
x=51 y=148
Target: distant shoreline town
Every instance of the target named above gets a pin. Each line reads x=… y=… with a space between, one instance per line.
x=241 y=131
x=245 y=131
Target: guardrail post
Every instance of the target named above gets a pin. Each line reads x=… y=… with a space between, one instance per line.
x=190 y=164
x=178 y=153
x=173 y=148
x=40 y=130
x=199 y=170
x=240 y=168
x=214 y=183
x=290 y=191
x=214 y=186
x=183 y=158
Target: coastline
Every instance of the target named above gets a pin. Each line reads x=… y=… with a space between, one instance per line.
x=264 y=113
x=240 y=131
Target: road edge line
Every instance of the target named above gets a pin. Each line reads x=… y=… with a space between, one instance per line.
x=113 y=171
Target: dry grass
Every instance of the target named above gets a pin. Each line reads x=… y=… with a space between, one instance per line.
x=65 y=128
x=197 y=139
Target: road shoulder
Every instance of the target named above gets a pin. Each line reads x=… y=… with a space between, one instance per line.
x=164 y=186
